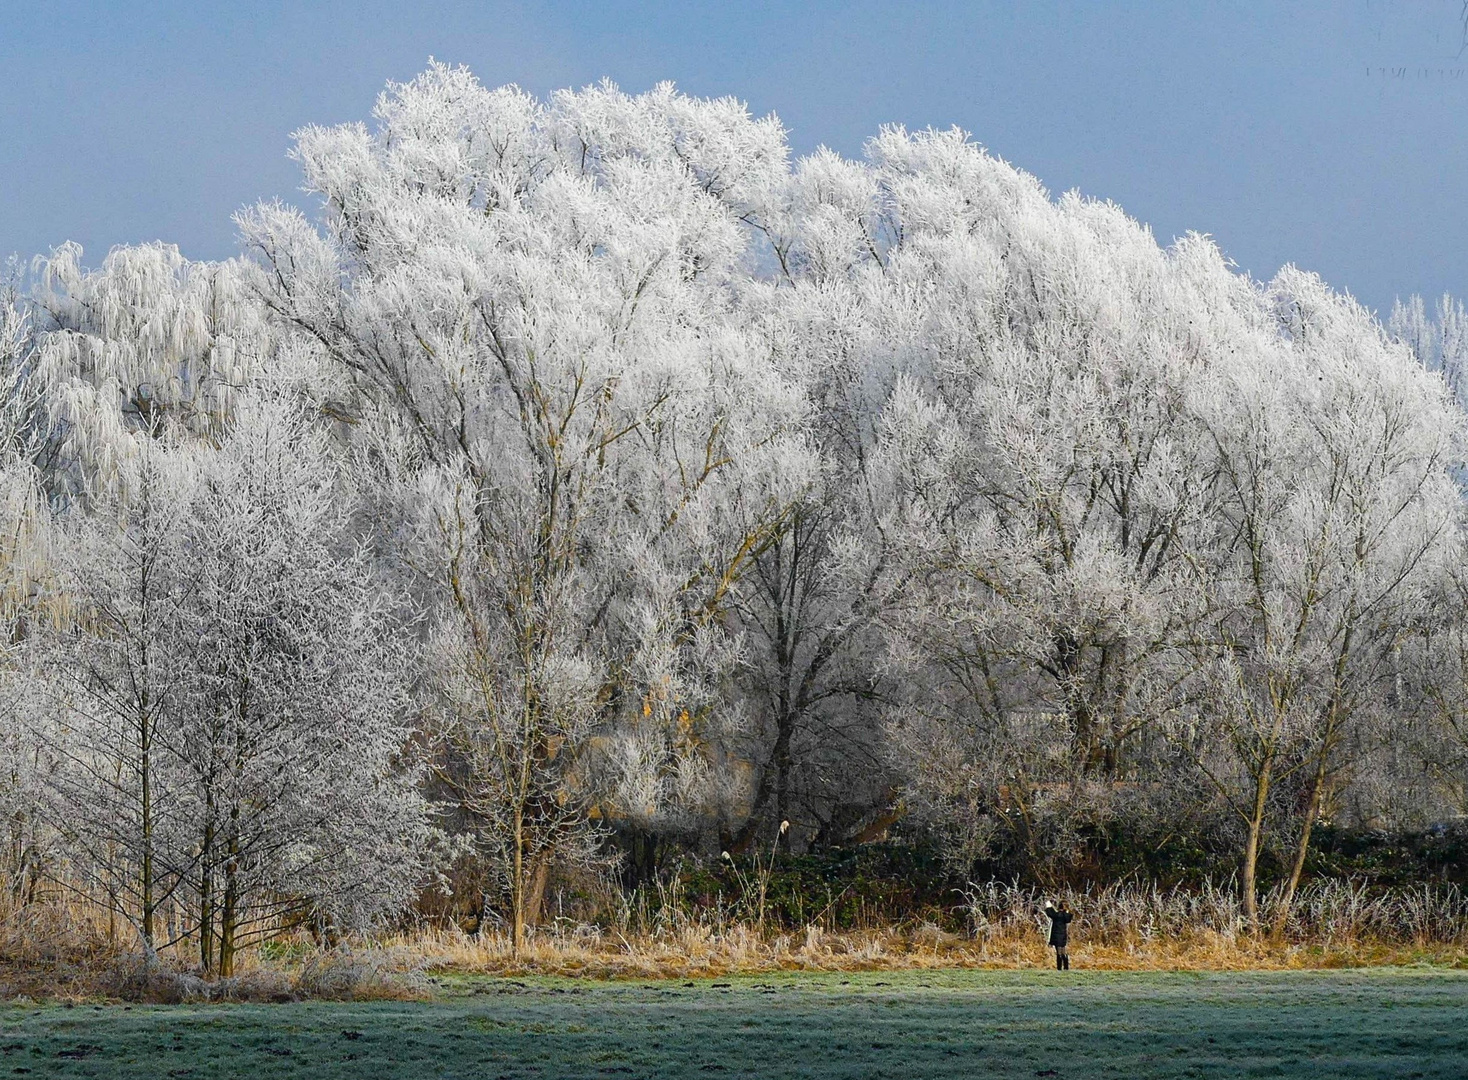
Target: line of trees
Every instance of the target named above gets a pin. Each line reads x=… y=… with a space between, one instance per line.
x=585 y=482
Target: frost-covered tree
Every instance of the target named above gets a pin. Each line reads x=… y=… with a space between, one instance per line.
x=296 y=727
x=536 y=305
x=146 y=342
x=1339 y=513
x=809 y=608
x=588 y=466
x=1439 y=342
x=217 y=617
x=112 y=661
x=1067 y=470
x=229 y=694
x=24 y=568
x=1038 y=480
x=1418 y=775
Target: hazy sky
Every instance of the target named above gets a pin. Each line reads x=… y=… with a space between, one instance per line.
x=1329 y=134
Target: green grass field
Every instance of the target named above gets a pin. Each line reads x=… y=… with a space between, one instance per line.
x=1371 y=1023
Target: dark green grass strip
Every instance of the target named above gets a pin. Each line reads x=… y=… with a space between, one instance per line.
x=1336 y=1024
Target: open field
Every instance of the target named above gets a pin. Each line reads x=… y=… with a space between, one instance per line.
x=1360 y=1023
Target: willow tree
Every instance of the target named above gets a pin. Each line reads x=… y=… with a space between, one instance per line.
x=1337 y=523
x=1036 y=480
x=536 y=307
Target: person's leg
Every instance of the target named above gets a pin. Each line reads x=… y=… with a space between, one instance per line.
x=1059 y=958
x=1067 y=959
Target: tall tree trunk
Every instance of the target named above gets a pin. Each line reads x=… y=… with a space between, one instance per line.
x=535 y=900
x=1067 y=655
x=517 y=886
x=206 y=896
x=1333 y=717
x=786 y=645
x=229 y=912
x=229 y=916
x=784 y=765
x=1249 y=886
x=143 y=679
x=145 y=765
x=1302 y=849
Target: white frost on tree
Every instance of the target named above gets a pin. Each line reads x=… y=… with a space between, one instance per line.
x=537 y=305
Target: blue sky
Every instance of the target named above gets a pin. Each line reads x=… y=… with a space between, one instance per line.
x=1282 y=128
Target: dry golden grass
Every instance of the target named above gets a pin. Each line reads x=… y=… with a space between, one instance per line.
x=694 y=953
x=398 y=968
x=65 y=951
x=1142 y=928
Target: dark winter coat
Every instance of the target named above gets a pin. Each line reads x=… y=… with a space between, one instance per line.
x=1059 y=921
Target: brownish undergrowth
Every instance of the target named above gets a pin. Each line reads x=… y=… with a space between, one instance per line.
x=62 y=951
x=404 y=967
x=695 y=954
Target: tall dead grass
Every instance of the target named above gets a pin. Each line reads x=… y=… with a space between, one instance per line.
x=63 y=948
x=58 y=951
x=1329 y=914
x=1118 y=927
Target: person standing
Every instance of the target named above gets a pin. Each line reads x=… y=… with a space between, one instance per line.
x=1060 y=934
